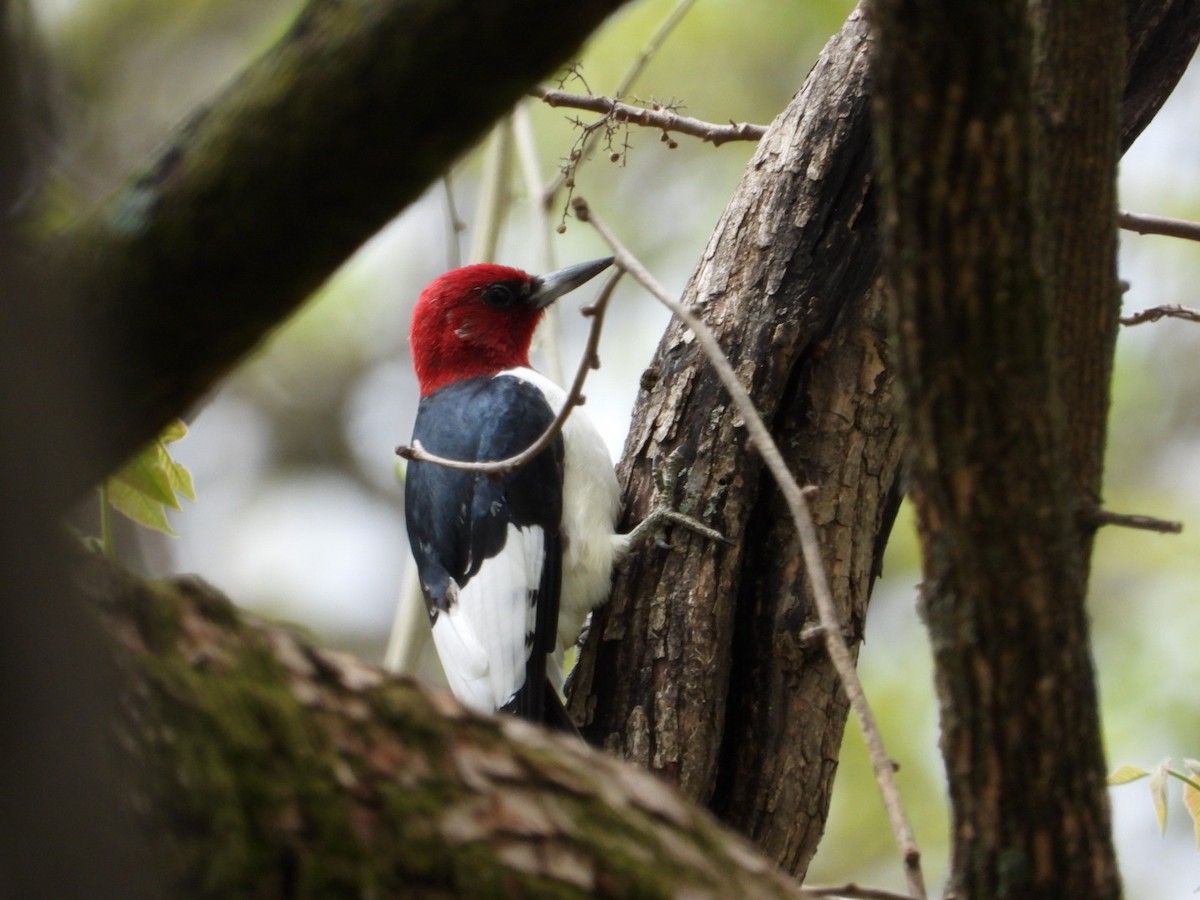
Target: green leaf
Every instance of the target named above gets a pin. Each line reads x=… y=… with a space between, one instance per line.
x=152 y=481
x=1191 y=795
x=1125 y=774
x=1191 y=802
x=1158 y=792
x=145 y=474
x=177 y=478
x=173 y=432
x=139 y=507
x=181 y=480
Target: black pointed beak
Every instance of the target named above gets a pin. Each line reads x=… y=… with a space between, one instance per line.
x=548 y=288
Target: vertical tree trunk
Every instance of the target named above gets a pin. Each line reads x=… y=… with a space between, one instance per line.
x=964 y=180
x=698 y=668
x=60 y=834
x=1080 y=73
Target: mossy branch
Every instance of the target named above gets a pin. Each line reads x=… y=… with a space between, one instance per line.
x=273 y=768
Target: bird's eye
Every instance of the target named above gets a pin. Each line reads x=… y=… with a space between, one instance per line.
x=499 y=296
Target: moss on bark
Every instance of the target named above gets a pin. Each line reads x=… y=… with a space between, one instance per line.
x=271 y=768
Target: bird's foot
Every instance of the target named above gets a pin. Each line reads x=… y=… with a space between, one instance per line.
x=656 y=523
x=665 y=514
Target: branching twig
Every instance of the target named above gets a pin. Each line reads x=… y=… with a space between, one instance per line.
x=580 y=150
x=835 y=644
x=1144 y=224
x=1162 y=312
x=590 y=360
x=659 y=117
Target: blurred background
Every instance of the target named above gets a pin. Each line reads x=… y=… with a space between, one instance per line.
x=299 y=515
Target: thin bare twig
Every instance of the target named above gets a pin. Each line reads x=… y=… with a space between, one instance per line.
x=1155 y=313
x=495 y=195
x=659 y=117
x=835 y=644
x=1145 y=224
x=579 y=152
x=455 y=226
x=1095 y=517
x=590 y=360
x=527 y=157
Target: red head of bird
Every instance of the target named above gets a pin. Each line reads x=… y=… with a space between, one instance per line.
x=479 y=320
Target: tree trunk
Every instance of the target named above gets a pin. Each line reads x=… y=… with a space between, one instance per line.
x=976 y=224
x=60 y=832
x=1079 y=73
x=698 y=667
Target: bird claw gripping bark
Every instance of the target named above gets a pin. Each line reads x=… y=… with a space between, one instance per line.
x=664 y=512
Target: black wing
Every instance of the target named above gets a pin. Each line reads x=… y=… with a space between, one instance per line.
x=459 y=522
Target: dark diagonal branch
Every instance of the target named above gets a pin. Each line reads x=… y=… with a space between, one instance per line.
x=215 y=223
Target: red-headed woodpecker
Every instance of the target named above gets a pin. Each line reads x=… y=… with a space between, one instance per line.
x=510 y=565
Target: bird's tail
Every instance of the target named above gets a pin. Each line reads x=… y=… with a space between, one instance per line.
x=545 y=708
x=554 y=714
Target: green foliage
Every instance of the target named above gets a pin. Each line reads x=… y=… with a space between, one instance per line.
x=1158 y=788
x=150 y=482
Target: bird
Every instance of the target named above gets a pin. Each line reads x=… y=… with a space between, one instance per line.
x=510 y=564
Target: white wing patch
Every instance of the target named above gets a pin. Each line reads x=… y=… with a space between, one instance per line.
x=481 y=639
x=592 y=502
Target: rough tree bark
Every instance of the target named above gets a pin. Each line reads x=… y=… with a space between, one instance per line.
x=697 y=667
x=271 y=768
x=1079 y=74
x=993 y=205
